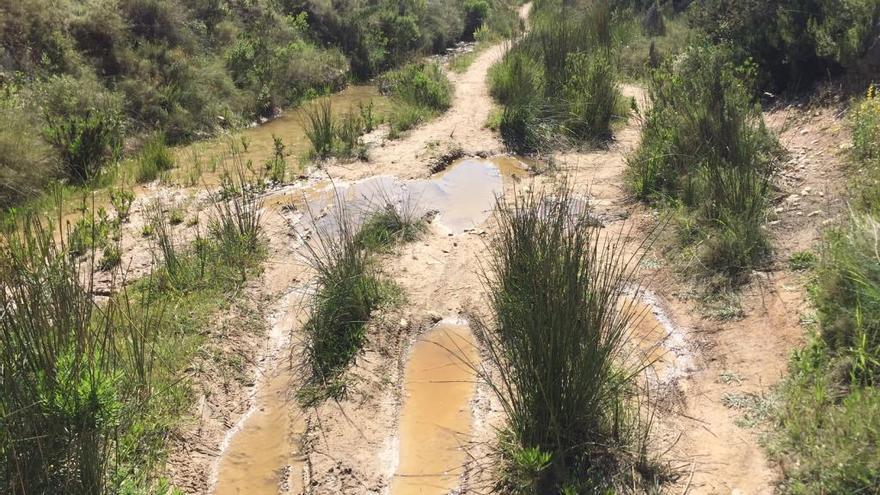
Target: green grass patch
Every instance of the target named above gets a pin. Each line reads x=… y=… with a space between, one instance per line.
x=559 y=83
x=97 y=386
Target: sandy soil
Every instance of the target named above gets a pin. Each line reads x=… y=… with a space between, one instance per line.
x=350 y=445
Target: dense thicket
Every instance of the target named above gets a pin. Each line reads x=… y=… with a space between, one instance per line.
x=795 y=42
x=82 y=75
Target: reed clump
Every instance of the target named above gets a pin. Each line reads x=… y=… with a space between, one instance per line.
x=559 y=83
x=562 y=301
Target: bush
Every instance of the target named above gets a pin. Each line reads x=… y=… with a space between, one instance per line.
x=515 y=79
x=421 y=85
x=69 y=394
x=389 y=225
x=27 y=162
x=704 y=146
x=349 y=288
x=154 y=159
x=562 y=317
x=592 y=97
x=793 y=42
x=561 y=74
x=319 y=128
x=86 y=144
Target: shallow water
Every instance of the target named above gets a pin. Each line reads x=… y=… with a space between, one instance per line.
x=462 y=197
x=659 y=344
x=436 y=418
x=261 y=459
x=208 y=159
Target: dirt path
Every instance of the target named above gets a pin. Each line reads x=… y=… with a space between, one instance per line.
x=351 y=445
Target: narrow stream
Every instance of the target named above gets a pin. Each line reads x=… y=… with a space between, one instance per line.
x=435 y=422
x=206 y=157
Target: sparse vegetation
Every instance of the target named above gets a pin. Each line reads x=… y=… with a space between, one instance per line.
x=562 y=317
x=829 y=416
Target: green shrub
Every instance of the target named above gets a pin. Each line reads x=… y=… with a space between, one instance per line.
x=27 y=162
x=704 y=146
x=561 y=75
x=475 y=12
x=154 y=159
x=110 y=258
x=519 y=128
x=86 y=144
x=405 y=117
x=69 y=395
x=277 y=165
x=91 y=231
x=793 y=42
x=389 y=225
x=561 y=322
x=347 y=133
x=422 y=85
x=515 y=79
x=121 y=200
x=592 y=97
x=802 y=260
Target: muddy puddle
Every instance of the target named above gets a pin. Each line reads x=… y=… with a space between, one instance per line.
x=461 y=197
x=658 y=343
x=261 y=458
x=204 y=162
x=435 y=421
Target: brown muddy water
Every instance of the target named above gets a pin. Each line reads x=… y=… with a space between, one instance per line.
x=659 y=344
x=435 y=421
x=204 y=162
x=261 y=459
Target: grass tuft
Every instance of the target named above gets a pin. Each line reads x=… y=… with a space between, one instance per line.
x=562 y=317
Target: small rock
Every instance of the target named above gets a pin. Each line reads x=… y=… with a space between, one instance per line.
x=403 y=323
x=814 y=213
x=794 y=198
x=804 y=132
